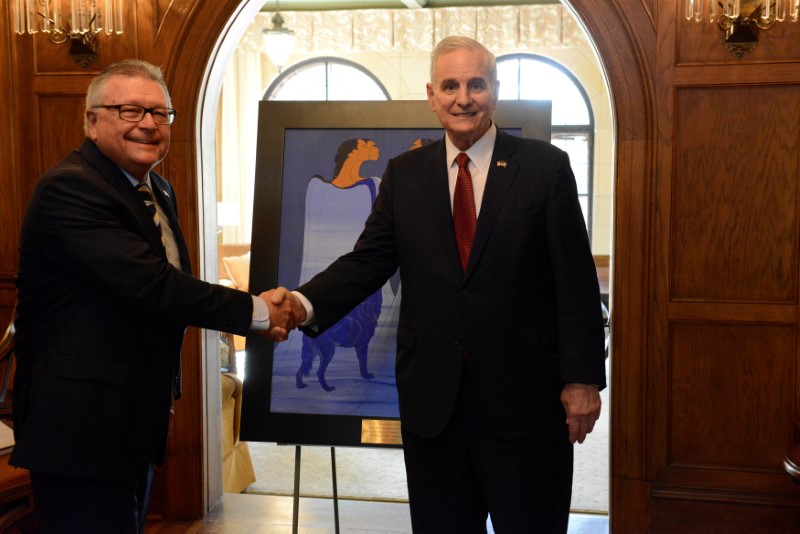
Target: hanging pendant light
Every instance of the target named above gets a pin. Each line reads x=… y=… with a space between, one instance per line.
x=278 y=41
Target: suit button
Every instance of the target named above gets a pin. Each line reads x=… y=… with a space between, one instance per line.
x=464 y=293
x=457 y=341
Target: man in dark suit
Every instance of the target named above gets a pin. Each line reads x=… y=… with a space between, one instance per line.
x=105 y=294
x=500 y=338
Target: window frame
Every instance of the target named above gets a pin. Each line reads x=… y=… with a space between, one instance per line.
x=586 y=130
x=325 y=61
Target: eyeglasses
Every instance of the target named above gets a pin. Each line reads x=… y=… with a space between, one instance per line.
x=132 y=113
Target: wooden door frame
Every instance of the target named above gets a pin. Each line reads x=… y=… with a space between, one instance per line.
x=624 y=36
x=623 y=33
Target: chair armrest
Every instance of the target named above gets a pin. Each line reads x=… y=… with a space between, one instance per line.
x=232 y=386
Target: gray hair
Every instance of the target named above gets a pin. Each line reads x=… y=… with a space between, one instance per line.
x=458 y=42
x=133 y=68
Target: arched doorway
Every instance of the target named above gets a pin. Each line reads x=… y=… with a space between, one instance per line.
x=622 y=54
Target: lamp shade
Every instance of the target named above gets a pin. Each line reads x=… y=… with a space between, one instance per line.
x=227 y=214
x=279 y=46
x=278 y=42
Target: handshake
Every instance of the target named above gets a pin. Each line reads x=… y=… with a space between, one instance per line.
x=286 y=313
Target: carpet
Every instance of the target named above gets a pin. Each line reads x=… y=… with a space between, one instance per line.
x=379 y=474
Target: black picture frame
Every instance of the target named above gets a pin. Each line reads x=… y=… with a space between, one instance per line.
x=291 y=150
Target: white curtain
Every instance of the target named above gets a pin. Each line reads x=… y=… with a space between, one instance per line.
x=241 y=94
x=497 y=27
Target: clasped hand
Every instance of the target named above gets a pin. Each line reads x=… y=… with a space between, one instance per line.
x=286 y=313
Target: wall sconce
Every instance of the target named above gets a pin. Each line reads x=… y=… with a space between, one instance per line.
x=87 y=18
x=278 y=41
x=742 y=19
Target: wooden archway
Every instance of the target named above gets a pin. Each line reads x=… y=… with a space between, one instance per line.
x=623 y=33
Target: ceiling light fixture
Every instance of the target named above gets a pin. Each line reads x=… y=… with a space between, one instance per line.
x=278 y=41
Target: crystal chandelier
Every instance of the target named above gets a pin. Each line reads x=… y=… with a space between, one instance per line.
x=742 y=19
x=85 y=19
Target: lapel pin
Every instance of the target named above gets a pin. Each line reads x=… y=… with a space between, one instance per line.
x=502 y=163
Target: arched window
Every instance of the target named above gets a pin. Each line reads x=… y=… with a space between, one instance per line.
x=326 y=78
x=532 y=77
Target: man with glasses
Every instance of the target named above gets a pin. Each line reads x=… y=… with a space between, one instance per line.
x=105 y=295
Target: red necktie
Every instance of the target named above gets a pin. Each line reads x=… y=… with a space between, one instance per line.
x=464 y=216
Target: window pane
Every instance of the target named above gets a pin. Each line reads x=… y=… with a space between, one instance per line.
x=508 y=74
x=348 y=83
x=532 y=79
x=577 y=146
x=581 y=171
x=584 y=200
x=525 y=77
x=540 y=80
x=306 y=83
x=327 y=79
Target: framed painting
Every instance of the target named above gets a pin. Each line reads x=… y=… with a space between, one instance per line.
x=318 y=166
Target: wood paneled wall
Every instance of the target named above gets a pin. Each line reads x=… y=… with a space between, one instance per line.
x=722 y=350
x=9 y=194
x=705 y=262
x=43 y=107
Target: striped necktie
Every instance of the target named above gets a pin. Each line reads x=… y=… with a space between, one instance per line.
x=146 y=195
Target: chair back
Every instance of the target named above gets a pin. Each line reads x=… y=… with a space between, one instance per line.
x=7 y=366
x=16 y=504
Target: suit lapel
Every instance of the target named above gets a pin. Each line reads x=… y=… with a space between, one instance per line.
x=117 y=179
x=503 y=170
x=439 y=199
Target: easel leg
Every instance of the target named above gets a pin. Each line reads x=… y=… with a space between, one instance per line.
x=335 y=490
x=296 y=501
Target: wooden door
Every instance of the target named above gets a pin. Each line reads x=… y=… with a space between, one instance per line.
x=705 y=288
x=723 y=339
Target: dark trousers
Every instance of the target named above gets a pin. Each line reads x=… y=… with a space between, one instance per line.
x=70 y=505
x=465 y=474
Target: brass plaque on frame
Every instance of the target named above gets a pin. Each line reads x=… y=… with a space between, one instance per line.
x=380 y=432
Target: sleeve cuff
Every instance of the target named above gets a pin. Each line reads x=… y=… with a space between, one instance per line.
x=260 y=314
x=310 y=319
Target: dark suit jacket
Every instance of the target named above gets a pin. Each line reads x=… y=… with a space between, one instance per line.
x=526 y=314
x=100 y=324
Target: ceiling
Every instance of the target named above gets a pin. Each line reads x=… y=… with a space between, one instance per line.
x=329 y=5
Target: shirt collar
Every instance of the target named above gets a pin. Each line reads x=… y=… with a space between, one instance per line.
x=134 y=181
x=480 y=154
